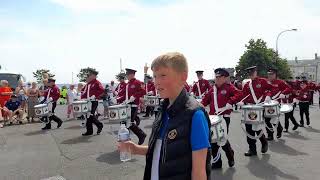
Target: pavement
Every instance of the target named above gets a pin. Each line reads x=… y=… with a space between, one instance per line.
x=28 y=153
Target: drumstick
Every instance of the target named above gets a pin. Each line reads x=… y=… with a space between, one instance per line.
x=245 y=98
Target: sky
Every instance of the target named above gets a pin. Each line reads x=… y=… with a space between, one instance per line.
x=67 y=35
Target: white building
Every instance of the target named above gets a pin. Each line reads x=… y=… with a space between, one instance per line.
x=306 y=67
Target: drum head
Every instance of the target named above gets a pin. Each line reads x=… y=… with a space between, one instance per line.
x=285 y=108
x=118 y=106
x=271 y=103
x=214 y=119
x=40 y=105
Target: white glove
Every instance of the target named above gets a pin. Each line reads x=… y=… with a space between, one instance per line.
x=93 y=97
x=116 y=93
x=282 y=96
x=131 y=99
x=240 y=103
x=268 y=99
x=49 y=100
x=305 y=96
x=150 y=93
x=229 y=106
x=295 y=100
x=191 y=94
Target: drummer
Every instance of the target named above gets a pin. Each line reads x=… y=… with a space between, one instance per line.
x=150 y=91
x=223 y=92
x=52 y=94
x=260 y=92
x=133 y=92
x=279 y=91
x=92 y=91
x=201 y=87
x=304 y=97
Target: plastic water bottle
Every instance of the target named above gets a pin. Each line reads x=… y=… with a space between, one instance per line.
x=123 y=136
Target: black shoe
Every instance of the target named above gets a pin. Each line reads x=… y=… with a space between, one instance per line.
x=295 y=127
x=270 y=138
x=138 y=121
x=59 y=124
x=145 y=116
x=286 y=130
x=308 y=123
x=279 y=134
x=231 y=160
x=264 y=148
x=87 y=134
x=301 y=125
x=217 y=165
x=141 y=139
x=20 y=122
x=99 y=129
x=10 y=123
x=250 y=153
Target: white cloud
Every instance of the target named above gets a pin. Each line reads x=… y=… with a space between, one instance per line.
x=211 y=33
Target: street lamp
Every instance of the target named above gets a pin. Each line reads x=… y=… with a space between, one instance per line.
x=280 y=35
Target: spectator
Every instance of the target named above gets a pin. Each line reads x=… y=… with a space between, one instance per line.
x=71 y=96
x=33 y=94
x=12 y=108
x=21 y=92
x=5 y=92
x=106 y=101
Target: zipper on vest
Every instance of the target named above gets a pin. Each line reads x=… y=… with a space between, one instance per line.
x=164 y=150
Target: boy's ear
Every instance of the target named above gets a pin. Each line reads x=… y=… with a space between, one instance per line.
x=184 y=76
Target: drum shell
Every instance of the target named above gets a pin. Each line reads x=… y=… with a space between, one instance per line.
x=41 y=110
x=216 y=129
x=119 y=112
x=80 y=107
x=271 y=111
x=286 y=109
x=252 y=114
x=152 y=101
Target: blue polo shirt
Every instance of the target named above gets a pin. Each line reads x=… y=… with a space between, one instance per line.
x=12 y=105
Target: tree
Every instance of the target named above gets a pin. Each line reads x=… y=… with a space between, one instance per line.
x=41 y=74
x=84 y=73
x=258 y=54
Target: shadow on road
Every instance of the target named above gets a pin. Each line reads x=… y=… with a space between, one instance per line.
x=262 y=169
x=226 y=175
x=77 y=140
x=311 y=129
x=281 y=148
x=296 y=135
x=112 y=158
x=36 y=133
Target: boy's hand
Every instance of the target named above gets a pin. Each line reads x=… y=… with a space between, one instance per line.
x=127 y=146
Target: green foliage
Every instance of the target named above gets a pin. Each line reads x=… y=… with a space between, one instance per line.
x=40 y=73
x=258 y=54
x=84 y=73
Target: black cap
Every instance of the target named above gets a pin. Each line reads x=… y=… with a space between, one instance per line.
x=297 y=77
x=14 y=96
x=303 y=77
x=122 y=76
x=51 y=80
x=250 y=69
x=92 y=71
x=221 y=72
x=130 y=71
x=272 y=71
x=199 y=72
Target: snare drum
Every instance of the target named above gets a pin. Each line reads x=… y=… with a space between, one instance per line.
x=80 y=107
x=41 y=110
x=253 y=114
x=286 y=108
x=217 y=129
x=271 y=109
x=151 y=101
x=119 y=112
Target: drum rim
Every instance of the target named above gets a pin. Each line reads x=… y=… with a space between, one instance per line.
x=79 y=102
x=117 y=106
x=41 y=105
x=253 y=107
x=219 y=121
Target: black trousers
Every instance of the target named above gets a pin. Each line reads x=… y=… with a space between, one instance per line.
x=149 y=110
x=226 y=148
x=304 y=109
x=92 y=119
x=227 y=119
x=269 y=127
x=134 y=126
x=311 y=99
x=252 y=142
x=290 y=116
x=52 y=117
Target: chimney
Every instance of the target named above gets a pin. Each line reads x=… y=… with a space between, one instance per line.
x=315 y=56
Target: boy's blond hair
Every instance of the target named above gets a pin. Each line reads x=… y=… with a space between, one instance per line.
x=174 y=60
